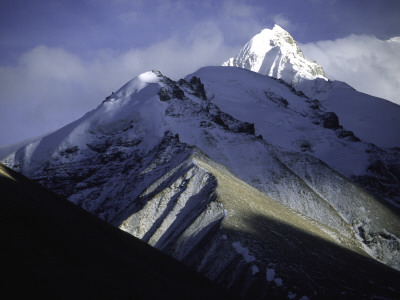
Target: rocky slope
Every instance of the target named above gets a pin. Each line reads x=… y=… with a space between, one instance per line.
x=53 y=249
x=177 y=163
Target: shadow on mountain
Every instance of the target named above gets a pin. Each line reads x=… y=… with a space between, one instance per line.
x=53 y=249
x=303 y=264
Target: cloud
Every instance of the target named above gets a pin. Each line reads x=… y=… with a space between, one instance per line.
x=50 y=87
x=367 y=63
x=233 y=9
x=37 y=90
x=45 y=63
x=282 y=21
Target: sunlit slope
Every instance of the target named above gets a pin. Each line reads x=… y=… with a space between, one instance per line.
x=244 y=201
x=53 y=249
x=203 y=215
x=200 y=194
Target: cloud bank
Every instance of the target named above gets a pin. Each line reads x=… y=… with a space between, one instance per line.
x=50 y=87
x=367 y=63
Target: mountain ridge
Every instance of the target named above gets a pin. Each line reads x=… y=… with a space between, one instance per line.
x=275 y=53
x=215 y=168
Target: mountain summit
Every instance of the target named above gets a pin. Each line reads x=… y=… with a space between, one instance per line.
x=275 y=53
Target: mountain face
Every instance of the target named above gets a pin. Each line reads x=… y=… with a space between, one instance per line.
x=292 y=121
x=371 y=118
x=275 y=53
x=238 y=175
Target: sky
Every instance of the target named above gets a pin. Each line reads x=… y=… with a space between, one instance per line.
x=60 y=58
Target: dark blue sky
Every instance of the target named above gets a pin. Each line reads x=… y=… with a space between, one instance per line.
x=60 y=58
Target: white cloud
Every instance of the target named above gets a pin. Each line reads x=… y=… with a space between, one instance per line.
x=368 y=64
x=282 y=21
x=50 y=87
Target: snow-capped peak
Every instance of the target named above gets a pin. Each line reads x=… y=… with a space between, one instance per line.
x=274 y=52
x=138 y=83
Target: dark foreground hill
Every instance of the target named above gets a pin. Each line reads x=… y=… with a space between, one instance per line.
x=54 y=249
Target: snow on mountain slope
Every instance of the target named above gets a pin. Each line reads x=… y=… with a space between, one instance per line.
x=294 y=122
x=282 y=117
x=113 y=154
x=275 y=53
x=371 y=118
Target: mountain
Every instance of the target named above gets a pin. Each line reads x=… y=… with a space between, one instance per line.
x=292 y=121
x=52 y=248
x=371 y=118
x=275 y=53
x=239 y=176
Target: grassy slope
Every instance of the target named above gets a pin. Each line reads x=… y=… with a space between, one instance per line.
x=303 y=252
